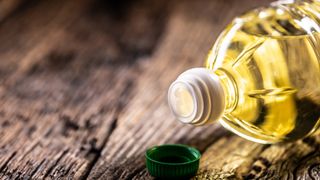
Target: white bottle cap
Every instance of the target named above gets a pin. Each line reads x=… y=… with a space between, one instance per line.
x=197 y=97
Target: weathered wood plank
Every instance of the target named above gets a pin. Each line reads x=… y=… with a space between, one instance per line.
x=83 y=92
x=67 y=69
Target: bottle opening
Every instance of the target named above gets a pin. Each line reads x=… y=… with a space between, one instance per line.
x=182 y=99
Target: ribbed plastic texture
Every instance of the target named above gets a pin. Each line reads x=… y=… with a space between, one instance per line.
x=172 y=161
x=197 y=97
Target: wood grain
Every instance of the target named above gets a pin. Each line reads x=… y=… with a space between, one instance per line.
x=83 y=92
x=65 y=76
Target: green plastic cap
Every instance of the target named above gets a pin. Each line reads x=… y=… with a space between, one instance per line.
x=172 y=161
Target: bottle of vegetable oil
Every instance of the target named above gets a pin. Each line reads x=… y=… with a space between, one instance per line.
x=262 y=76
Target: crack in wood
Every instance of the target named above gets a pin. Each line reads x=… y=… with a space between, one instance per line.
x=35 y=170
x=124 y=95
x=69 y=168
x=6 y=163
x=51 y=168
x=97 y=151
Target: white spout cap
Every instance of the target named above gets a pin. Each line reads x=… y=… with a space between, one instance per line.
x=197 y=97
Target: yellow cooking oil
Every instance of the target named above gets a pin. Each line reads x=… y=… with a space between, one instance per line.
x=262 y=77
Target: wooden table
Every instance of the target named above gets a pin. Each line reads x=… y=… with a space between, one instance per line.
x=83 y=91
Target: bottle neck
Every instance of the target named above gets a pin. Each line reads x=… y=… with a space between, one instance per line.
x=200 y=96
x=229 y=88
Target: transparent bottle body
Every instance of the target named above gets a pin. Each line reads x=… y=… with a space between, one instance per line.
x=268 y=61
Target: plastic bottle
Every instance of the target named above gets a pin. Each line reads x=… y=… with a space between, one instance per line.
x=262 y=76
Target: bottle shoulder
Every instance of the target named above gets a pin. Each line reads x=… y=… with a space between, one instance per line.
x=281 y=21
